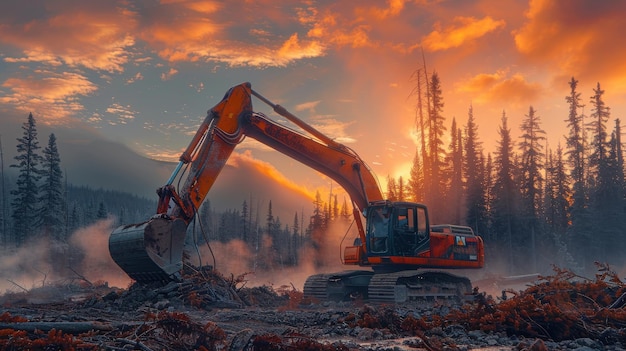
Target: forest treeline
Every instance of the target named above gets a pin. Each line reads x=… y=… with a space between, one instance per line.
x=39 y=204
x=534 y=206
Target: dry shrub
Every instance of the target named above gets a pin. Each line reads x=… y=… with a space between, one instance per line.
x=53 y=340
x=185 y=334
x=294 y=297
x=292 y=342
x=559 y=307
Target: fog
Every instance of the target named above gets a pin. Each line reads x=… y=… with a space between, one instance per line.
x=237 y=258
x=85 y=258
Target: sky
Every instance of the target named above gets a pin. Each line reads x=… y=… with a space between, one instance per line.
x=144 y=73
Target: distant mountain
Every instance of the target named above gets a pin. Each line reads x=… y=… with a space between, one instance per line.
x=89 y=160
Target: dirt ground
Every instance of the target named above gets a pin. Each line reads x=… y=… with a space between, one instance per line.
x=210 y=312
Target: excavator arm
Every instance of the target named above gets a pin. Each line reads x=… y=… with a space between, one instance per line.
x=157 y=245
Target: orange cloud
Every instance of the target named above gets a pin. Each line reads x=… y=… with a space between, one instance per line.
x=502 y=88
x=337 y=29
x=568 y=36
x=307 y=106
x=123 y=113
x=199 y=31
x=464 y=30
x=333 y=128
x=395 y=7
x=81 y=34
x=245 y=160
x=53 y=97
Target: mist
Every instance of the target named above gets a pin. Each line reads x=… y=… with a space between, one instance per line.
x=259 y=264
x=85 y=257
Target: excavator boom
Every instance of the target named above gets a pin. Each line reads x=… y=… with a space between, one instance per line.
x=153 y=250
x=396 y=238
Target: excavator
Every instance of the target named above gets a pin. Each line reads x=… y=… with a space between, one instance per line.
x=403 y=257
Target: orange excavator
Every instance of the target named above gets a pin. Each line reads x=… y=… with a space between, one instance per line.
x=403 y=256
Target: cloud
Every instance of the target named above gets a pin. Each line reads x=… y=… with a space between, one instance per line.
x=203 y=31
x=123 y=113
x=137 y=77
x=307 y=106
x=570 y=37
x=250 y=165
x=53 y=97
x=93 y=35
x=169 y=74
x=334 y=129
x=502 y=87
x=464 y=29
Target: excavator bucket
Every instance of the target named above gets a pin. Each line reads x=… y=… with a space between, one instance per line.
x=150 y=251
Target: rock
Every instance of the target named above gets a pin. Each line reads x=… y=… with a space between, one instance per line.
x=532 y=345
x=589 y=343
x=162 y=304
x=365 y=334
x=241 y=340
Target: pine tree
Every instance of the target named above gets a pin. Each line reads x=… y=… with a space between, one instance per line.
x=391 y=189
x=488 y=187
x=74 y=220
x=476 y=216
x=244 y=222
x=24 y=204
x=102 y=211
x=346 y=213
x=605 y=190
x=615 y=200
x=557 y=194
x=531 y=186
x=295 y=240
x=505 y=195
x=580 y=230
x=52 y=211
x=575 y=145
x=416 y=180
x=597 y=126
x=400 y=189
x=435 y=190
x=454 y=174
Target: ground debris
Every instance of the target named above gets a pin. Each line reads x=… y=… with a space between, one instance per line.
x=209 y=311
x=558 y=307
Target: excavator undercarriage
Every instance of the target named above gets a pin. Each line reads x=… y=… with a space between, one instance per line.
x=395 y=287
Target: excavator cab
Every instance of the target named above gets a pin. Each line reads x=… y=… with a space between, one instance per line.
x=397 y=229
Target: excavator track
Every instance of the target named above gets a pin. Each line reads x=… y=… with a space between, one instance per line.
x=316 y=286
x=387 y=287
x=338 y=286
x=408 y=285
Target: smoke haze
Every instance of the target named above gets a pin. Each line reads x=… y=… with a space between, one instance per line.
x=42 y=261
x=259 y=264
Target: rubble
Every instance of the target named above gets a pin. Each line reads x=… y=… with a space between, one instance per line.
x=207 y=311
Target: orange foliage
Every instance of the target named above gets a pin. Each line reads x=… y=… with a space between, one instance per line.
x=292 y=342
x=181 y=331
x=7 y=318
x=560 y=307
x=294 y=296
x=53 y=340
